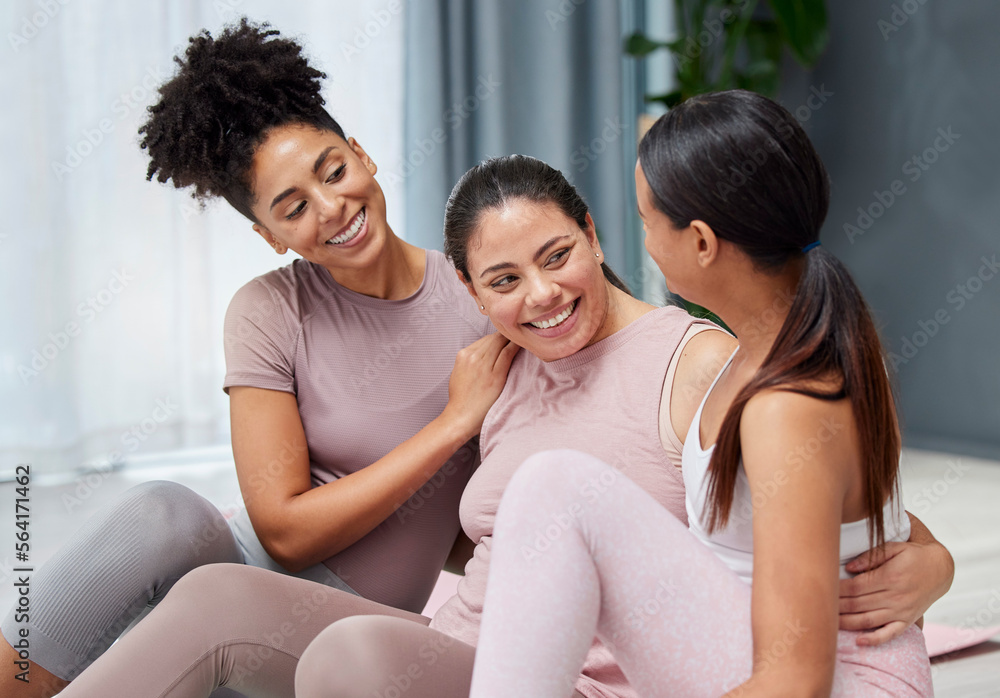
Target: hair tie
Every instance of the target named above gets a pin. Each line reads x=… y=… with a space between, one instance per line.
x=810 y=246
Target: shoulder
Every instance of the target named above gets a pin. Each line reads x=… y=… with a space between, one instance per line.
x=781 y=429
x=282 y=285
x=698 y=359
x=279 y=299
x=704 y=354
x=792 y=406
x=451 y=295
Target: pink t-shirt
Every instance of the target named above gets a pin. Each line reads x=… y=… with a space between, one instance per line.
x=368 y=374
x=603 y=400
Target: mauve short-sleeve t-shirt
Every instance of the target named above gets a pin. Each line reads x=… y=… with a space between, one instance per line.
x=368 y=374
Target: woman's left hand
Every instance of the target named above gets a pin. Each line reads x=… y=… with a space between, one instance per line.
x=889 y=594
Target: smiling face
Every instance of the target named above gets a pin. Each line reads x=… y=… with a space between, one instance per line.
x=538 y=276
x=316 y=194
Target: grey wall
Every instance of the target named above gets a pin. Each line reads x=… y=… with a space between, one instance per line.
x=894 y=83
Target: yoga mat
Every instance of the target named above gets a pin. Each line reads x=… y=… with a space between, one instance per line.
x=942 y=639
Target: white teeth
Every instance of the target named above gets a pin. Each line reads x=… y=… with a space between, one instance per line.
x=351 y=232
x=557 y=320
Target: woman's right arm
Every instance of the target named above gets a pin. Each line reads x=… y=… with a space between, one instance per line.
x=300 y=525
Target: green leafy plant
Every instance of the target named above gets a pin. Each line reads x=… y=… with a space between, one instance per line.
x=726 y=44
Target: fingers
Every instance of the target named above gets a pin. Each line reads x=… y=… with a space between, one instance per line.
x=484 y=348
x=863 y=585
x=869 y=620
x=872 y=559
x=888 y=632
x=506 y=356
x=866 y=602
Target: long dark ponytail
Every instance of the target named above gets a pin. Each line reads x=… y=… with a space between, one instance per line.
x=742 y=164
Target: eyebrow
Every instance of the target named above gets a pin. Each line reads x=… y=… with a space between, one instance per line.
x=316 y=166
x=511 y=265
x=322 y=157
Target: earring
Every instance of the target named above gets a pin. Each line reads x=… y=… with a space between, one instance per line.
x=597 y=254
x=482 y=307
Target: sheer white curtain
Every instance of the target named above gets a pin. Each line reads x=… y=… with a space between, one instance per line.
x=114 y=288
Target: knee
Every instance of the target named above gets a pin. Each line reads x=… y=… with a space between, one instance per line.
x=560 y=475
x=179 y=524
x=350 y=658
x=220 y=588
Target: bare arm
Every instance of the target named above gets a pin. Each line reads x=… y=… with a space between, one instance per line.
x=300 y=525
x=796 y=537
x=891 y=594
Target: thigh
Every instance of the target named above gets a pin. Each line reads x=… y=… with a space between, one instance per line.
x=899 y=668
x=570 y=558
x=235 y=626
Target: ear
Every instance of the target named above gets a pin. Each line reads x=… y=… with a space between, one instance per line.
x=591 y=233
x=362 y=155
x=472 y=292
x=706 y=241
x=269 y=238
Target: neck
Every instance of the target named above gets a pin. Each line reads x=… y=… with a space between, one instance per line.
x=623 y=310
x=397 y=272
x=757 y=309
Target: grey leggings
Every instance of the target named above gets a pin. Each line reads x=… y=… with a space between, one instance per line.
x=122 y=562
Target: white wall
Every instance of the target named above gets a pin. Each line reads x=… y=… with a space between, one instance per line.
x=79 y=213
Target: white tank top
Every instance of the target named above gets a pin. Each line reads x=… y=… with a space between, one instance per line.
x=734 y=543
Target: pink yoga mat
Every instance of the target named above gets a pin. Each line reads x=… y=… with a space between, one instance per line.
x=942 y=639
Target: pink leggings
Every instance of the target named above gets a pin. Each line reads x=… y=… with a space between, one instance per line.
x=675 y=617
x=245 y=628
x=226 y=625
x=380 y=657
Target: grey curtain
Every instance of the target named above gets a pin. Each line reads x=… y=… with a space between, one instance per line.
x=537 y=77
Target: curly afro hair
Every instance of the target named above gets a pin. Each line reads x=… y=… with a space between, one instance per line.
x=218 y=108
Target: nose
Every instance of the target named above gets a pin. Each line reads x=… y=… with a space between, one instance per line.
x=542 y=290
x=329 y=205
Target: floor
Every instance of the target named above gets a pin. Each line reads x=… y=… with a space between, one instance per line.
x=959 y=500
x=957 y=497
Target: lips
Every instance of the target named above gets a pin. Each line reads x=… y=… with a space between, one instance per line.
x=351 y=230
x=555 y=320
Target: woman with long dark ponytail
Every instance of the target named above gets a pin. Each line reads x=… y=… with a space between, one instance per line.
x=732 y=197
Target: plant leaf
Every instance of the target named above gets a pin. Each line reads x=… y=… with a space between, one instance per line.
x=640 y=45
x=763 y=47
x=669 y=99
x=803 y=23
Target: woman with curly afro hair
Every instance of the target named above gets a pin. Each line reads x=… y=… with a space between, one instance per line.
x=352 y=446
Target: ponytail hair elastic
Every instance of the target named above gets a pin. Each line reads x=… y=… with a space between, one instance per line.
x=810 y=246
